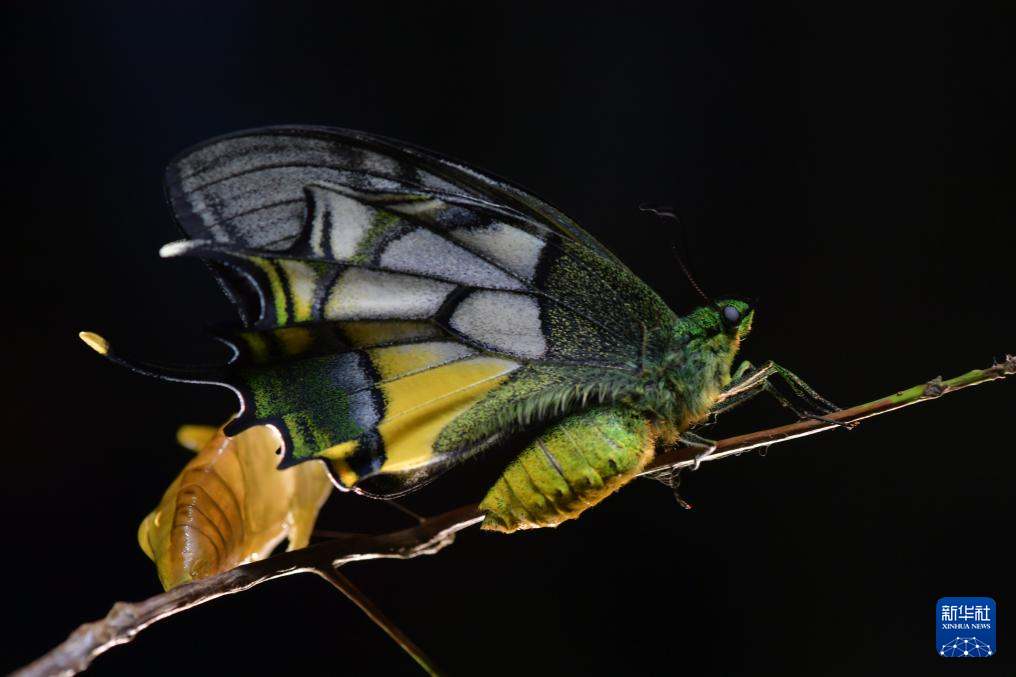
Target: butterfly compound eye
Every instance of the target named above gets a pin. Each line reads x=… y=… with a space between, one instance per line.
x=731 y=316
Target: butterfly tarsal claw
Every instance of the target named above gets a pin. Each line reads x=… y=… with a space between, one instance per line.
x=831 y=421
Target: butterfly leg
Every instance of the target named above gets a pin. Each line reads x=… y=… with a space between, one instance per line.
x=804 y=391
x=572 y=466
x=749 y=381
x=672 y=478
x=690 y=439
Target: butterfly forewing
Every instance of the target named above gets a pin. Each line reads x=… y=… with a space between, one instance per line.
x=247 y=187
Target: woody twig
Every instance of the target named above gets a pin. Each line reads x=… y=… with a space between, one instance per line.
x=126 y=619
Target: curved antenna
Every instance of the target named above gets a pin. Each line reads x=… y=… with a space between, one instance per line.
x=667 y=212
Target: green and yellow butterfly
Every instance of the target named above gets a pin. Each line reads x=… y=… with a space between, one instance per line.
x=402 y=312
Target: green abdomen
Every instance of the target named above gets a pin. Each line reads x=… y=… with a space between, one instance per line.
x=572 y=466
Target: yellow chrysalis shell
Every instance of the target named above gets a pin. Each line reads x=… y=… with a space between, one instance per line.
x=230 y=505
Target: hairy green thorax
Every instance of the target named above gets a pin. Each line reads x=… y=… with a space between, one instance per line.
x=681 y=387
x=536 y=393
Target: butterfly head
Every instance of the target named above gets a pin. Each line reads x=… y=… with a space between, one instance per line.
x=729 y=318
x=735 y=317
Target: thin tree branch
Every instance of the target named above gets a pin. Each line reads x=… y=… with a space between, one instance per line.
x=126 y=619
x=685 y=456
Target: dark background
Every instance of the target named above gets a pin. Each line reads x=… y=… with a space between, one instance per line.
x=852 y=168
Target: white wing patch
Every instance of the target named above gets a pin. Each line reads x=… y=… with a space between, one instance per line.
x=343 y=219
x=504 y=321
x=361 y=294
x=513 y=248
x=427 y=253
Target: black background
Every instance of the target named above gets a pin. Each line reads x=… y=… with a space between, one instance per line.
x=851 y=168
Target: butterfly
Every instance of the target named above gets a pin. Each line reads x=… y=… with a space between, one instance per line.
x=402 y=312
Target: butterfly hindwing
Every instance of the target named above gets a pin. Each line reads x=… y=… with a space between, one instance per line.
x=368 y=404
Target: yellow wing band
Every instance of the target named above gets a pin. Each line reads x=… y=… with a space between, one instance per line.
x=422 y=402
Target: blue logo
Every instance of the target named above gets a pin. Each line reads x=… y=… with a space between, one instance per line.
x=966 y=627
